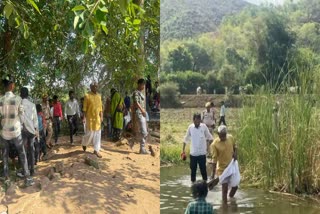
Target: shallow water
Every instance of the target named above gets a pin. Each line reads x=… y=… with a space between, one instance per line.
x=176 y=194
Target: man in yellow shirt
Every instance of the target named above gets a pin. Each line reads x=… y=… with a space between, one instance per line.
x=224 y=149
x=92 y=117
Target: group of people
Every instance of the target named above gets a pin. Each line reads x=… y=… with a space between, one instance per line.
x=222 y=151
x=27 y=128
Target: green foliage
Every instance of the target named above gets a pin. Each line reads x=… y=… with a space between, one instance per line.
x=180 y=59
x=169 y=95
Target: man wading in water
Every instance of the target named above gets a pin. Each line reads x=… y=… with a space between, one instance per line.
x=224 y=149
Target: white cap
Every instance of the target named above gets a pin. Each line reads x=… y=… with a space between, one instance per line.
x=222 y=129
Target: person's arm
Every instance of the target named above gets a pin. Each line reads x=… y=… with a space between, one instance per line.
x=65 y=109
x=78 y=109
x=208 y=135
x=84 y=109
x=101 y=111
x=214 y=159
x=135 y=96
x=186 y=140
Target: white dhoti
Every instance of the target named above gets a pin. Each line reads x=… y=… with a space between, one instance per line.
x=231 y=174
x=93 y=137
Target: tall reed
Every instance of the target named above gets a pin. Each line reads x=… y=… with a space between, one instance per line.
x=279 y=148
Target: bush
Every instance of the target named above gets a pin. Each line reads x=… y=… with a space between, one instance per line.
x=169 y=95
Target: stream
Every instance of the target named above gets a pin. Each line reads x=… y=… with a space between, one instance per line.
x=175 y=195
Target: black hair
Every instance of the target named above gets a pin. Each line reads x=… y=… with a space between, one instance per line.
x=141 y=81
x=196 y=116
x=7 y=80
x=199 y=189
x=24 y=92
x=39 y=108
x=55 y=97
x=71 y=92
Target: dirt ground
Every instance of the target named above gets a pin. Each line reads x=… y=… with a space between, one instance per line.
x=126 y=182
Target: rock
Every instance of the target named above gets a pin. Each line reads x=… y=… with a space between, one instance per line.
x=51 y=173
x=128 y=158
x=44 y=182
x=91 y=162
x=152 y=151
x=59 y=167
x=114 y=176
x=56 y=176
x=12 y=189
x=155 y=134
x=3 y=209
x=122 y=142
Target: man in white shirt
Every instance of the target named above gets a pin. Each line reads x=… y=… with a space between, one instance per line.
x=222 y=114
x=11 y=111
x=198 y=133
x=72 y=113
x=30 y=127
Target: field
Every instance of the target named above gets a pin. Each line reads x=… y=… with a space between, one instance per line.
x=276 y=152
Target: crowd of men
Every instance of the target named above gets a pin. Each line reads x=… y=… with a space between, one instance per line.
x=27 y=128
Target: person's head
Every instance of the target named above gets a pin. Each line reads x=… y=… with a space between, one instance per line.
x=208 y=106
x=82 y=99
x=55 y=98
x=39 y=108
x=112 y=91
x=8 y=83
x=94 y=87
x=212 y=104
x=222 y=132
x=197 y=119
x=148 y=77
x=24 y=93
x=157 y=84
x=71 y=95
x=126 y=93
x=222 y=103
x=199 y=189
x=45 y=98
x=141 y=84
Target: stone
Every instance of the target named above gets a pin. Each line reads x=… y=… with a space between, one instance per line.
x=3 y=209
x=56 y=176
x=51 y=173
x=91 y=162
x=122 y=142
x=44 y=182
x=12 y=189
x=59 y=167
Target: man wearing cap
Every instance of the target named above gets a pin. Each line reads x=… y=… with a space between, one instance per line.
x=139 y=107
x=224 y=149
x=48 y=130
x=11 y=111
x=92 y=117
x=209 y=120
x=198 y=133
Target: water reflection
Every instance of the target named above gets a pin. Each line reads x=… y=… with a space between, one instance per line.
x=176 y=194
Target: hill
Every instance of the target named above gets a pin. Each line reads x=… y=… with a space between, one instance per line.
x=187 y=18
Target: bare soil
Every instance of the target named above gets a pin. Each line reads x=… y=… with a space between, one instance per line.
x=126 y=182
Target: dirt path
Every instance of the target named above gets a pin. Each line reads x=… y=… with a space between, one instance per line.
x=125 y=183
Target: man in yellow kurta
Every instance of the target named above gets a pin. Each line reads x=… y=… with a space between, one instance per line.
x=224 y=149
x=93 y=117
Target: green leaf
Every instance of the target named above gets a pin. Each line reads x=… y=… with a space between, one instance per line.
x=101 y=16
x=82 y=15
x=55 y=27
x=88 y=29
x=75 y=21
x=78 y=7
x=136 y=21
x=8 y=10
x=25 y=31
x=34 y=5
x=123 y=5
x=104 y=9
x=105 y=29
